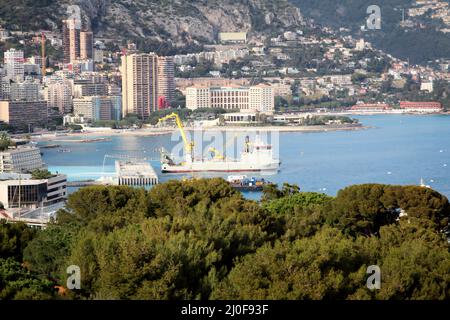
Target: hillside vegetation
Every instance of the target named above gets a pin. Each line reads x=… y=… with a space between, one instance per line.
x=416 y=44
x=176 y=21
x=201 y=239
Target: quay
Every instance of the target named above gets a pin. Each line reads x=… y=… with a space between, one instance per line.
x=86 y=183
x=130 y=173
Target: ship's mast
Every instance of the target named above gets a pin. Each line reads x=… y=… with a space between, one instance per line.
x=247 y=144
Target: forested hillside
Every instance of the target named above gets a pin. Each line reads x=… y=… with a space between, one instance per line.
x=201 y=239
x=419 y=45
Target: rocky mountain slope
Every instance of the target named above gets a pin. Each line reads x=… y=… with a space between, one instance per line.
x=175 y=20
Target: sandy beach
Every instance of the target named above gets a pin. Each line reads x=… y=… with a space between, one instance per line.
x=99 y=132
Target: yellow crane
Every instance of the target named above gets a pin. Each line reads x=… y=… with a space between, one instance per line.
x=189 y=146
x=217 y=154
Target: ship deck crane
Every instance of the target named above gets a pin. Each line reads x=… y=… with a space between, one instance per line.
x=189 y=146
x=217 y=154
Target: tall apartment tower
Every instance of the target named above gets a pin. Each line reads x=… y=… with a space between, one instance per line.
x=166 y=82
x=59 y=95
x=74 y=37
x=86 y=45
x=14 y=65
x=139 y=84
x=71 y=40
x=66 y=41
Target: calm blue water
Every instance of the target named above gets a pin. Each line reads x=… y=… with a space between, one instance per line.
x=400 y=149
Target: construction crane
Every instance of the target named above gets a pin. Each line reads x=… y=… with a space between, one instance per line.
x=189 y=146
x=44 y=67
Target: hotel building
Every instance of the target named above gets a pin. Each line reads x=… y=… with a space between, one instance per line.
x=22 y=159
x=258 y=98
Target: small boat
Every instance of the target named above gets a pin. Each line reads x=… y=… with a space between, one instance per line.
x=423 y=185
x=50 y=146
x=64 y=150
x=96 y=140
x=244 y=183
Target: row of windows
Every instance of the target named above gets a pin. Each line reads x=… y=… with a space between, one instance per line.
x=26 y=194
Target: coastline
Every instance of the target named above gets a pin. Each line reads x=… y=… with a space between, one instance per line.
x=107 y=132
x=166 y=131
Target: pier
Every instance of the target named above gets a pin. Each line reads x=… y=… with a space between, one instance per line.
x=135 y=174
x=86 y=183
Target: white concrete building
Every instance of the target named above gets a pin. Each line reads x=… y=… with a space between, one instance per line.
x=427 y=86
x=262 y=99
x=59 y=95
x=246 y=99
x=14 y=62
x=98 y=108
x=24 y=91
x=135 y=173
x=21 y=191
x=22 y=159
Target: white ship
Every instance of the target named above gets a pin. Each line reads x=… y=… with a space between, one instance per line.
x=256 y=157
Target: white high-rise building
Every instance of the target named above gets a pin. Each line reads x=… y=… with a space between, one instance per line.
x=14 y=62
x=166 y=82
x=261 y=98
x=24 y=91
x=139 y=84
x=59 y=95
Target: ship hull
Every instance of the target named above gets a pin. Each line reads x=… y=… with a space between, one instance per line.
x=220 y=167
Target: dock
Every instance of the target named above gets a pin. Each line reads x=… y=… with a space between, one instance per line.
x=130 y=173
x=85 y=183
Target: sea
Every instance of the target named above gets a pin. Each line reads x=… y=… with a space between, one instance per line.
x=395 y=149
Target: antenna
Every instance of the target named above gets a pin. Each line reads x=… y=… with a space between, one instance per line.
x=20 y=195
